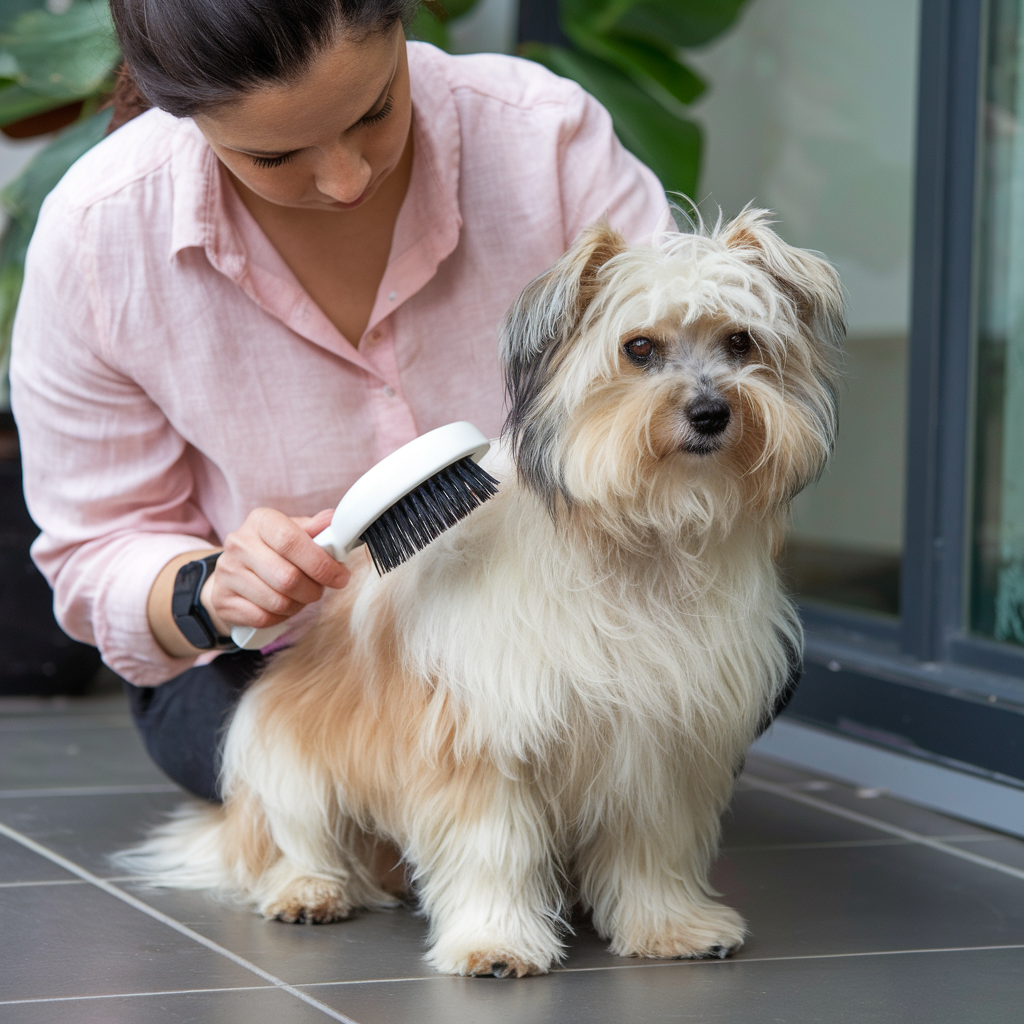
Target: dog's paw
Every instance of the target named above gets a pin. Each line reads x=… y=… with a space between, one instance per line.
x=500 y=965
x=308 y=900
x=496 y=958
x=710 y=933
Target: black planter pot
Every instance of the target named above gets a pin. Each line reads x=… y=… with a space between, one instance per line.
x=36 y=658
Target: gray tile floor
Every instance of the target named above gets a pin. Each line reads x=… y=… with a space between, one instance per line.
x=861 y=909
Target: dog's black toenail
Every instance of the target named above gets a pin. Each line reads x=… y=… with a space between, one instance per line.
x=500 y=970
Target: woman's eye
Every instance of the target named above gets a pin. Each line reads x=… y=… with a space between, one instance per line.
x=271 y=161
x=640 y=350
x=389 y=105
x=739 y=344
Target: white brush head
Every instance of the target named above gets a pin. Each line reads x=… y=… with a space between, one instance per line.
x=395 y=476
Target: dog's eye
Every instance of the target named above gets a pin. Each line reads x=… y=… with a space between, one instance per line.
x=640 y=350
x=739 y=344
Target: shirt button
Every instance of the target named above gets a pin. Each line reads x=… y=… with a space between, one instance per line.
x=389 y=391
x=392 y=296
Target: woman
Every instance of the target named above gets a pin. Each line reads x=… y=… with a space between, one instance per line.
x=243 y=299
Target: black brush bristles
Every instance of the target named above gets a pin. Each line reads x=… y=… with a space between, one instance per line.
x=426 y=512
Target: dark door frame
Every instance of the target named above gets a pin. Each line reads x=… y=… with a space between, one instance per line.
x=924 y=685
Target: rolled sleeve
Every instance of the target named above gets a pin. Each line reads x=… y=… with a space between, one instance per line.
x=107 y=478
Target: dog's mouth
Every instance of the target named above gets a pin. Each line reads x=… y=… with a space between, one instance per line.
x=702 y=445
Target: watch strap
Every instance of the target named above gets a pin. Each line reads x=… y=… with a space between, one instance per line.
x=191 y=618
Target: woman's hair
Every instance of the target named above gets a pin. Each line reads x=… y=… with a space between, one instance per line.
x=189 y=56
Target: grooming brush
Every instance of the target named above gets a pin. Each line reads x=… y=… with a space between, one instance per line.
x=397 y=508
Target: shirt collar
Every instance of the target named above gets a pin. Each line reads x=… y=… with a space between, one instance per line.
x=429 y=223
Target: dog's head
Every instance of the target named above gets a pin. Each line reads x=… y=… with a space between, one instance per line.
x=679 y=385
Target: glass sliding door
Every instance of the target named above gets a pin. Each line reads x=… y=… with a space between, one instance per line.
x=811 y=112
x=997 y=577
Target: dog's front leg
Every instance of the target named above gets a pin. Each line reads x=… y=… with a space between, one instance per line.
x=486 y=876
x=644 y=875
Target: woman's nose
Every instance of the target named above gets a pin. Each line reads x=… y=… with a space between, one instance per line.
x=343 y=175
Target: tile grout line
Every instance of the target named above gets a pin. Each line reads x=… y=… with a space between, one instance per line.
x=51 y=881
x=712 y=961
x=883 y=826
x=138 y=995
x=127 y=790
x=63 y=881
x=563 y=970
x=170 y=922
x=842 y=844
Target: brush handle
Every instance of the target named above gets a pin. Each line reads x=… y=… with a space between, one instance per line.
x=249 y=638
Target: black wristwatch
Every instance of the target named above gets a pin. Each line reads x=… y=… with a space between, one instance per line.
x=191 y=617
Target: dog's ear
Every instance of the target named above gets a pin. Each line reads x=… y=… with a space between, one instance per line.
x=806 y=278
x=550 y=307
x=535 y=331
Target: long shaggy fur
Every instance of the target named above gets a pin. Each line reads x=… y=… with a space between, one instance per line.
x=548 y=705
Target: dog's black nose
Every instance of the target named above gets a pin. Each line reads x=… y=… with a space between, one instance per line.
x=709 y=416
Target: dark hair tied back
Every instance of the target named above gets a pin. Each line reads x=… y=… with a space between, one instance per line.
x=187 y=56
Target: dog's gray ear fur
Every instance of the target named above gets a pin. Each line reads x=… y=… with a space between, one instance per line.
x=536 y=329
x=807 y=278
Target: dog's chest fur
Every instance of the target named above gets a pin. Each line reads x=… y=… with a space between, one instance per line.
x=543 y=638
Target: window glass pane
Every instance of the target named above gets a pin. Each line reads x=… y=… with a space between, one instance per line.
x=997 y=591
x=811 y=112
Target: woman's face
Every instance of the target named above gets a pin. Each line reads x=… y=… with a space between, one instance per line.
x=327 y=140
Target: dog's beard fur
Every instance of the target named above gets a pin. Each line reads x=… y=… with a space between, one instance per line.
x=549 y=704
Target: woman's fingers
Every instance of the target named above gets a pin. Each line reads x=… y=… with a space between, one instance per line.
x=271 y=568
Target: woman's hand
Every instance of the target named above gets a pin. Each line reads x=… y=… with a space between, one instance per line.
x=270 y=569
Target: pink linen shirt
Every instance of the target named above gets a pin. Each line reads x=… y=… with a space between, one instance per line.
x=169 y=373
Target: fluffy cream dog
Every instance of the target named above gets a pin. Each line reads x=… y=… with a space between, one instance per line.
x=548 y=705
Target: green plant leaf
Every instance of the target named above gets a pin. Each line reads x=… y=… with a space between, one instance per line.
x=640 y=58
x=22 y=199
x=17 y=102
x=457 y=8
x=668 y=144
x=596 y=15
x=680 y=22
x=427 y=28
x=64 y=56
x=11 y=9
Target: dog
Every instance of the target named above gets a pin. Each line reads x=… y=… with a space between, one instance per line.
x=547 y=707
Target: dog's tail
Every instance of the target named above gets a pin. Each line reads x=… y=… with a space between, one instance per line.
x=188 y=851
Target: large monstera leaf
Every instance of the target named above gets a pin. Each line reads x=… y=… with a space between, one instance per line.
x=50 y=56
x=626 y=54
x=48 y=59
